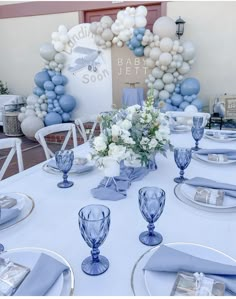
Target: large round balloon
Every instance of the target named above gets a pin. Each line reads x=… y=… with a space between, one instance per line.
x=57 y=80
x=67 y=103
x=164 y=27
x=190 y=86
x=40 y=78
x=30 y=125
x=47 y=51
x=52 y=118
x=188 y=50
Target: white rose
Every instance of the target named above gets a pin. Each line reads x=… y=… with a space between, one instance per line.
x=133 y=109
x=127 y=139
x=100 y=143
x=153 y=143
x=115 y=131
x=159 y=136
x=118 y=152
x=126 y=124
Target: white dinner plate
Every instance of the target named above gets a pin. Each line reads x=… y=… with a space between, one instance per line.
x=64 y=286
x=218 y=139
x=180 y=129
x=73 y=170
x=144 y=282
x=24 y=203
x=185 y=193
x=204 y=158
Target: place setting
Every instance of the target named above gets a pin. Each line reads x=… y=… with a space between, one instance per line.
x=220 y=136
x=14 y=208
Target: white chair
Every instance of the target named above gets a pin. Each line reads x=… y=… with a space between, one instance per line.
x=71 y=131
x=15 y=145
x=183 y=117
x=86 y=134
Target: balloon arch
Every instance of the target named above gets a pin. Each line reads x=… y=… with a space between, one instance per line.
x=169 y=59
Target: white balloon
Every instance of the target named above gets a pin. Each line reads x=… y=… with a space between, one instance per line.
x=157 y=43
x=93 y=27
x=184 y=69
x=119 y=44
x=31 y=125
x=29 y=112
x=55 y=36
x=176 y=74
x=53 y=64
x=152 y=45
x=166 y=44
x=64 y=38
x=156 y=38
x=165 y=58
x=150 y=85
x=140 y=21
x=188 y=51
x=99 y=29
x=115 y=29
x=155 y=53
x=158 y=84
x=180 y=77
x=107 y=20
x=170 y=87
x=164 y=95
x=149 y=63
x=158 y=63
x=147 y=51
x=59 y=46
x=191 y=109
x=40 y=101
x=60 y=58
x=167 y=78
x=171 y=70
x=22 y=109
x=180 y=49
x=21 y=116
x=164 y=27
x=141 y=10
x=155 y=93
x=157 y=73
x=44 y=107
x=108 y=44
x=107 y=35
x=164 y=67
x=62 y=29
x=31 y=100
x=151 y=78
x=128 y=22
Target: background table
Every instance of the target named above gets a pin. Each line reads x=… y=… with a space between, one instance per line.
x=54 y=221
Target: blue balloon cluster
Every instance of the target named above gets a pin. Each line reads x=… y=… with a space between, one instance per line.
x=185 y=94
x=135 y=43
x=60 y=105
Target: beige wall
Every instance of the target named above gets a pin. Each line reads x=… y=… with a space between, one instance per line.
x=21 y=39
x=211 y=26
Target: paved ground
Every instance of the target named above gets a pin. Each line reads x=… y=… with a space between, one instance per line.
x=32 y=153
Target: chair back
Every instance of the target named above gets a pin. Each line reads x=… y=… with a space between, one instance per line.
x=86 y=134
x=15 y=145
x=42 y=133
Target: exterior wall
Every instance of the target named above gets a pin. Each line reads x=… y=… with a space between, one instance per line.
x=21 y=39
x=211 y=27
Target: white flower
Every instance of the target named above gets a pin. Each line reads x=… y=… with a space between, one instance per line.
x=133 y=109
x=159 y=136
x=115 y=131
x=153 y=143
x=125 y=124
x=164 y=131
x=100 y=143
x=118 y=152
x=127 y=139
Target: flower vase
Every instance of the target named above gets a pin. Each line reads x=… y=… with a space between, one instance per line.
x=151 y=164
x=111 y=169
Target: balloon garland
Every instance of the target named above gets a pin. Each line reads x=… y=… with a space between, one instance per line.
x=168 y=58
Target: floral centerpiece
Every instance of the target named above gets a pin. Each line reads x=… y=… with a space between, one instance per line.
x=134 y=134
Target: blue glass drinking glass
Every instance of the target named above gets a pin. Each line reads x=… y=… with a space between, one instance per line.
x=1 y=246
x=64 y=160
x=197 y=133
x=94 y=223
x=198 y=121
x=151 y=205
x=182 y=159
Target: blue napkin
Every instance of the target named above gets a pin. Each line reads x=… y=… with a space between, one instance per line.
x=42 y=277
x=115 y=189
x=167 y=259
x=74 y=168
x=8 y=214
x=229 y=189
x=231 y=154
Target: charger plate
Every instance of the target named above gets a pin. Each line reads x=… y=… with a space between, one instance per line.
x=144 y=282
x=188 y=199
x=24 y=203
x=27 y=256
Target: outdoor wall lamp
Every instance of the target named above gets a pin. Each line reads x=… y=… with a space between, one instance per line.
x=180 y=27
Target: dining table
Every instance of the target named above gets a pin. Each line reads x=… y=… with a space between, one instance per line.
x=53 y=223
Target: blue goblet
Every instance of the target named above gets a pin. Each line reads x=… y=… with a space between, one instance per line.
x=94 y=223
x=64 y=160
x=198 y=121
x=197 y=133
x=151 y=205
x=182 y=159
x=1 y=246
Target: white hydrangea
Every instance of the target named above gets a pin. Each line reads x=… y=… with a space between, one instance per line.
x=117 y=152
x=100 y=143
x=133 y=109
x=125 y=124
x=115 y=131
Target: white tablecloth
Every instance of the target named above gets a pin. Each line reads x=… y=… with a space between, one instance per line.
x=54 y=221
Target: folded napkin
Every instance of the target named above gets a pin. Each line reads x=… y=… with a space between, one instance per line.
x=115 y=189
x=229 y=189
x=167 y=259
x=75 y=167
x=8 y=214
x=231 y=154
x=42 y=277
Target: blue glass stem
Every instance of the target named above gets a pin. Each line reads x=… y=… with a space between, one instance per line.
x=65 y=176
x=95 y=255
x=196 y=144
x=151 y=228
x=181 y=174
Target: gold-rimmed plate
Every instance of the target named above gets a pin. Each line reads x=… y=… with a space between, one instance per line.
x=28 y=256
x=151 y=283
x=24 y=203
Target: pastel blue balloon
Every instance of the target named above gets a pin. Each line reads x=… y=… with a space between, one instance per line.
x=59 y=89
x=176 y=99
x=134 y=42
x=60 y=111
x=49 y=101
x=139 y=52
x=136 y=31
x=168 y=101
x=67 y=103
x=141 y=30
x=58 y=97
x=52 y=118
x=177 y=90
x=167 y=107
x=180 y=109
x=131 y=47
x=38 y=91
x=57 y=109
x=64 y=79
x=50 y=106
x=190 y=86
x=197 y=103
x=139 y=37
x=183 y=105
x=57 y=80
x=65 y=117
x=50 y=94
x=51 y=73
x=127 y=43
x=194 y=96
x=48 y=85
x=175 y=108
x=188 y=99
x=40 y=78
x=185 y=97
x=55 y=102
